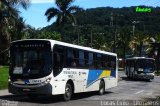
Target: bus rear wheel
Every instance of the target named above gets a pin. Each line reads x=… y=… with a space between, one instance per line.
x=68 y=92
x=101 y=88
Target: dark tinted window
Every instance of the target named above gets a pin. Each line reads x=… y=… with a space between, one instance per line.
x=75 y=61
x=58 y=59
x=81 y=58
x=86 y=57
x=69 y=57
x=98 y=61
x=91 y=61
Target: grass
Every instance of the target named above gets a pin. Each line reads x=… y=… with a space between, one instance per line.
x=3 y=77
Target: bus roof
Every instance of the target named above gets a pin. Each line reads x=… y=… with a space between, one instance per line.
x=53 y=42
x=136 y=58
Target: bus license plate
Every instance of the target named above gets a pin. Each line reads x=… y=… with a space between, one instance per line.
x=26 y=90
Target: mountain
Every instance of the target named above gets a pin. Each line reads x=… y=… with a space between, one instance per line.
x=106 y=22
x=122 y=17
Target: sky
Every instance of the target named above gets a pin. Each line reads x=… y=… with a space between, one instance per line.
x=35 y=17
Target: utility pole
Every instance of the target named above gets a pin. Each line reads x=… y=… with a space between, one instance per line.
x=111 y=24
x=115 y=34
x=78 y=31
x=134 y=22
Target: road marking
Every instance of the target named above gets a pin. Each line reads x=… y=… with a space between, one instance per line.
x=139 y=92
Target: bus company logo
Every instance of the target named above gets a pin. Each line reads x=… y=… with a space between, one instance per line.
x=26 y=82
x=9 y=103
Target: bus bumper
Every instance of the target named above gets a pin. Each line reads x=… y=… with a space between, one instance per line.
x=145 y=76
x=42 y=90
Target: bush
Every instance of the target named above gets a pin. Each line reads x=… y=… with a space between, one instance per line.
x=4 y=77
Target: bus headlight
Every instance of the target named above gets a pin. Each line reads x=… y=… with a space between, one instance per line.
x=46 y=81
x=140 y=69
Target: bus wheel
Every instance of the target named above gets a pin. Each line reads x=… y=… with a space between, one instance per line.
x=101 y=88
x=148 y=80
x=68 y=92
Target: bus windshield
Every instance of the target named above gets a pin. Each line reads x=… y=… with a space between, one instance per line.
x=30 y=62
x=146 y=64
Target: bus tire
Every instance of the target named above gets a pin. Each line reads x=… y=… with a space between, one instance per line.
x=68 y=92
x=101 y=87
x=148 y=80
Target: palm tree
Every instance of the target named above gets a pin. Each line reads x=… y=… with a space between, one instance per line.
x=138 y=41
x=9 y=19
x=63 y=12
x=9 y=15
x=123 y=39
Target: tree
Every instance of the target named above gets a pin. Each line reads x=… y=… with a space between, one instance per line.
x=44 y=34
x=63 y=12
x=9 y=15
x=123 y=39
x=138 y=41
x=9 y=22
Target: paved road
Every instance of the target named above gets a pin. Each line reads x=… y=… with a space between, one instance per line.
x=128 y=92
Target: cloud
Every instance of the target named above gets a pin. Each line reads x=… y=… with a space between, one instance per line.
x=41 y=1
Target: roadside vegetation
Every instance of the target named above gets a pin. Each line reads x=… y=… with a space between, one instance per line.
x=4 y=77
x=157 y=73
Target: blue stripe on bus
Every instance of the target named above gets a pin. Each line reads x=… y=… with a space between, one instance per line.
x=94 y=75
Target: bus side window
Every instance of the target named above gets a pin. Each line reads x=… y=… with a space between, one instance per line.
x=86 y=59
x=81 y=59
x=91 y=61
x=106 y=64
x=75 y=58
x=58 y=59
x=69 y=58
x=98 y=61
x=111 y=60
x=103 y=62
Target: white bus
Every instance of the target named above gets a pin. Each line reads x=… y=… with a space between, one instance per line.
x=140 y=68
x=49 y=67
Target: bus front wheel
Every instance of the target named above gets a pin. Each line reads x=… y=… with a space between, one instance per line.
x=68 y=92
x=101 y=88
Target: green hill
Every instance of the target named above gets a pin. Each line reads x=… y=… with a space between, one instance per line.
x=104 y=24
